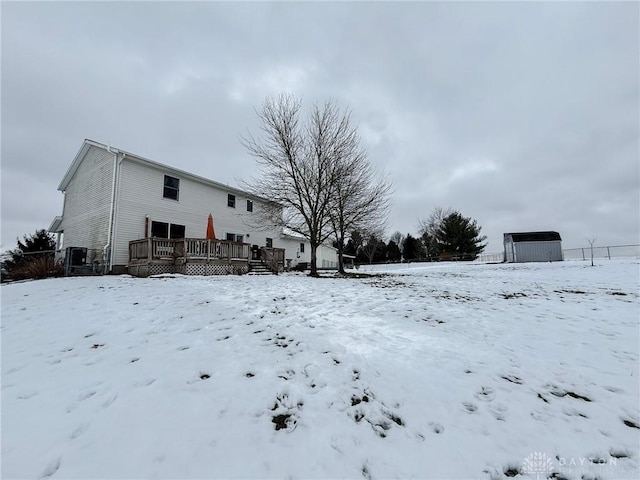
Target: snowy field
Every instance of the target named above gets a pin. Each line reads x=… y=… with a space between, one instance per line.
x=456 y=371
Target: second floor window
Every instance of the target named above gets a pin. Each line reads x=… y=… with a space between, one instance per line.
x=302 y=248
x=249 y=206
x=171 y=187
x=269 y=243
x=231 y=201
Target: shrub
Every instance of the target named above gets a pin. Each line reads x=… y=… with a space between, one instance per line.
x=37 y=268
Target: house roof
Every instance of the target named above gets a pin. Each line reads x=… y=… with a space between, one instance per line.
x=533 y=236
x=87 y=144
x=55 y=225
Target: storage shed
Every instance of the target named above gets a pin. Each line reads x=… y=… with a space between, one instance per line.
x=532 y=247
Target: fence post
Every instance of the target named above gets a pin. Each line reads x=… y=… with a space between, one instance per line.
x=583 y=254
x=608 y=253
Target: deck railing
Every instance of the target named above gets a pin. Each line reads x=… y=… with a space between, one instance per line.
x=273 y=258
x=187 y=248
x=139 y=249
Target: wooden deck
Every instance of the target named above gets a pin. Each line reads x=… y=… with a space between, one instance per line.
x=197 y=256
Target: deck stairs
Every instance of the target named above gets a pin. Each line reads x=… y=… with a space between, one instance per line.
x=257 y=267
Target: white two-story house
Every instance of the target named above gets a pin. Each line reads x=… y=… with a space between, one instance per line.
x=113 y=197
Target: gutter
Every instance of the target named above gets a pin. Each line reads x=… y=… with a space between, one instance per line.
x=107 y=251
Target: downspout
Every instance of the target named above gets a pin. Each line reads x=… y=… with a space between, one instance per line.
x=114 y=225
x=107 y=251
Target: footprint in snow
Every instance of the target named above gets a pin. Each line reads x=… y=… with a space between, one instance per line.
x=79 y=431
x=499 y=411
x=512 y=379
x=145 y=383
x=285 y=413
x=486 y=394
x=109 y=401
x=469 y=407
x=287 y=374
x=86 y=395
x=52 y=468
x=540 y=415
x=26 y=396
x=436 y=427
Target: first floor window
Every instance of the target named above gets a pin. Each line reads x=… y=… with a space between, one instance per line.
x=166 y=230
x=235 y=237
x=176 y=231
x=160 y=229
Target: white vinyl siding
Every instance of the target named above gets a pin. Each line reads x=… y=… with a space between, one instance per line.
x=326 y=256
x=87 y=201
x=140 y=193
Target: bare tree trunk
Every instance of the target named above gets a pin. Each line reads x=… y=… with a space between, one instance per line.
x=340 y=247
x=592 y=241
x=314 y=261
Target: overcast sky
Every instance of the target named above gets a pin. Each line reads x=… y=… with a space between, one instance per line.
x=523 y=116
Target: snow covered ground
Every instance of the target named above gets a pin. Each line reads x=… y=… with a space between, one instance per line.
x=437 y=371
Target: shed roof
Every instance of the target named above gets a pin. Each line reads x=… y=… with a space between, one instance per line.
x=533 y=236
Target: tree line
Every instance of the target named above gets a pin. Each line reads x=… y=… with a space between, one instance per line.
x=445 y=235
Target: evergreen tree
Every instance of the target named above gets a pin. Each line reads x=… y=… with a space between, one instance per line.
x=380 y=254
x=354 y=244
x=393 y=252
x=350 y=248
x=412 y=248
x=33 y=258
x=431 y=246
x=38 y=245
x=459 y=237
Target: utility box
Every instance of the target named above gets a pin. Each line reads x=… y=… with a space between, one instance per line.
x=75 y=259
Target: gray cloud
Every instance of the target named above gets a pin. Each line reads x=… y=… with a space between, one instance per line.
x=522 y=115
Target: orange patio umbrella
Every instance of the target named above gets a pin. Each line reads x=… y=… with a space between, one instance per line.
x=211 y=233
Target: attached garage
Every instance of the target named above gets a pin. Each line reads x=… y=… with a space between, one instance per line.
x=532 y=247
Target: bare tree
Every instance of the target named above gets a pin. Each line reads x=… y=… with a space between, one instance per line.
x=592 y=241
x=372 y=244
x=397 y=237
x=299 y=166
x=430 y=230
x=360 y=197
x=432 y=224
